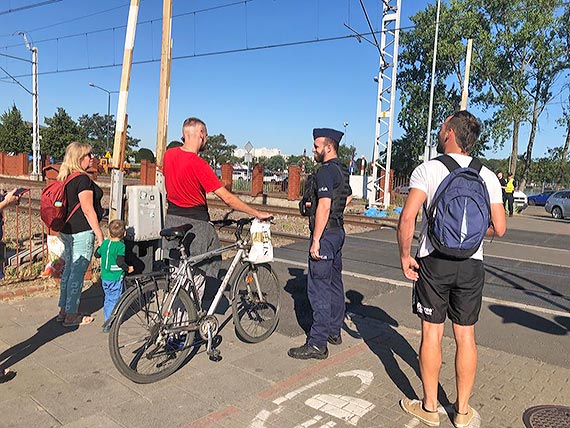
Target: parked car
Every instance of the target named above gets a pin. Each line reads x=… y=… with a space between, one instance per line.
x=520 y=200
x=541 y=198
x=240 y=174
x=273 y=177
x=559 y=204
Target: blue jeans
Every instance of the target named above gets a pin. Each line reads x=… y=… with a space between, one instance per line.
x=113 y=291
x=78 y=252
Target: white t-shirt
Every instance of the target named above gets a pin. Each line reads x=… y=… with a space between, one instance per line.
x=427 y=178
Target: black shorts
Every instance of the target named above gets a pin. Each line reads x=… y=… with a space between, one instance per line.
x=452 y=287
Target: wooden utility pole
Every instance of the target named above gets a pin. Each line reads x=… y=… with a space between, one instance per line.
x=116 y=199
x=466 y=79
x=121 y=125
x=164 y=92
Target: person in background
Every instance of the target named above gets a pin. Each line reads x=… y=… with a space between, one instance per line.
x=510 y=192
x=445 y=286
x=5 y=201
x=80 y=232
x=113 y=267
x=503 y=184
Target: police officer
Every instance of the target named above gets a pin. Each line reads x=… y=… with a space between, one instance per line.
x=324 y=283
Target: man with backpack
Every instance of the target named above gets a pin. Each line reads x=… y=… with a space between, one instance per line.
x=462 y=203
x=324 y=200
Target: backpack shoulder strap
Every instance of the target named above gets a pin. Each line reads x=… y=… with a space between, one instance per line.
x=73 y=175
x=476 y=164
x=450 y=163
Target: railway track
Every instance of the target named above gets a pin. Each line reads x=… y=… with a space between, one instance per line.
x=36 y=187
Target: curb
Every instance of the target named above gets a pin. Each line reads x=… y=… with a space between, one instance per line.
x=26 y=291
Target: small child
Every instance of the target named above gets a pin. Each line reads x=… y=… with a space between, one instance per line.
x=113 y=267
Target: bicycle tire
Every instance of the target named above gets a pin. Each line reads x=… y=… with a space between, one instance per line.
x=255 y=319
x=134 y=344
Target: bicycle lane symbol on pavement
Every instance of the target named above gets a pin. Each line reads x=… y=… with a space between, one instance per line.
x=329 y=408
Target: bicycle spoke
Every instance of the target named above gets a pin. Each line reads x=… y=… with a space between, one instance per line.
x=256 y=303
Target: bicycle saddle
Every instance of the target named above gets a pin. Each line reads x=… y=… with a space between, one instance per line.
x=175 y=232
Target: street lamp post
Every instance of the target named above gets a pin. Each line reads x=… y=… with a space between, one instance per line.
x=93 y=85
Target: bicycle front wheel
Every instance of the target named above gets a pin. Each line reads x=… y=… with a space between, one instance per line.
x=255 y=302
x=142 y=343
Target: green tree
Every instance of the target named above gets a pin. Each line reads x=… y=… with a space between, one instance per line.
x=218 y=150
x=414 y=80
x=144 y=153
x=298 y=160
x=15 y=134
x=94 y=127
x=522 y=49
x=275 y=163
x=60 y=130
x=174 y=143
x=99 y=132
x=345 y=154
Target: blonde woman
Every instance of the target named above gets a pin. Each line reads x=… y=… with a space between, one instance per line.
x=80 y=232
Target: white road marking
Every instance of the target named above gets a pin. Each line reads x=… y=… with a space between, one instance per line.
x=365 y=376
x=310 y=422
x=410 y=285
x=298 y=391
x=343 y=407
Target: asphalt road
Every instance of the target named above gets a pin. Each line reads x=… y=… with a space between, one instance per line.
x=526 y=308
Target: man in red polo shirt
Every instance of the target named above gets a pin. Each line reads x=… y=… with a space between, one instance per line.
x=188 y=178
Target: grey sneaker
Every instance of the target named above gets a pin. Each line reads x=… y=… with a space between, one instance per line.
x=461 y=420
x=416 y=409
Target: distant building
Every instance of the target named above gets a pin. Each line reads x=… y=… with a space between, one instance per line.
x=261 y=152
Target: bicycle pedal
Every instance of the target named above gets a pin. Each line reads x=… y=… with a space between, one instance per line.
x=215 y=355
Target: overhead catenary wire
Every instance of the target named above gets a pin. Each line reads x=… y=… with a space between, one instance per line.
x=358 y=36
x=15 y=80
x=205 y=54
x=101 y=30
x=29 y=6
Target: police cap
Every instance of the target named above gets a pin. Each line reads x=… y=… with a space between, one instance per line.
x=327 y=132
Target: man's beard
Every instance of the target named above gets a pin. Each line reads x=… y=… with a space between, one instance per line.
x=440 y=145
x=319 y=157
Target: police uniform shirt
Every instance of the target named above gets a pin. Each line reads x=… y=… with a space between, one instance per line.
x=329 y=177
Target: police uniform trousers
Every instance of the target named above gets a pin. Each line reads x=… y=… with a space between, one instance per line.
x=325 y=289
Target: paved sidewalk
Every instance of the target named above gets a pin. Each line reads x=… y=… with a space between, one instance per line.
x=66 y=378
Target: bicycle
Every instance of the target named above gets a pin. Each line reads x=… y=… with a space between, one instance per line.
x=154 y=324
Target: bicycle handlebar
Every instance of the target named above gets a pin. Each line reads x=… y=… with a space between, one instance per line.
x=241 y=222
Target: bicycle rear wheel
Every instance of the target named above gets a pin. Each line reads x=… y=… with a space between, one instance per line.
x=255 y=314
x=141 y=346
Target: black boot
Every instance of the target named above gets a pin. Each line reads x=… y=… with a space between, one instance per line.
x=307 y=351
x=334 y=339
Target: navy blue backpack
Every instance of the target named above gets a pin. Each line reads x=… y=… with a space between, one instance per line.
x=460 y=211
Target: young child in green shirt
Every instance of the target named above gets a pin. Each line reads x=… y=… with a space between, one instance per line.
x=113 y=267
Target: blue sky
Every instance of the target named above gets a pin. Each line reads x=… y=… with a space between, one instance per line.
x=272 y=97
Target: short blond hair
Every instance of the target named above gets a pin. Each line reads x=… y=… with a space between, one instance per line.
x=74 y=154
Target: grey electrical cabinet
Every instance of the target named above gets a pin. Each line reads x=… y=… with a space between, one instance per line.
x=144 y=213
